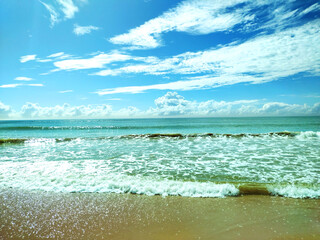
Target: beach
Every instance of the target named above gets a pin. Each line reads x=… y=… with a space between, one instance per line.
x=43 y=215
x=206 y=178
x=160 y=120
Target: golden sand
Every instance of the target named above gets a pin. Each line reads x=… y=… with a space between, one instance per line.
x=43 y=215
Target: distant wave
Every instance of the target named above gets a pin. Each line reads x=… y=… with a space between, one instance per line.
x=12 y=141
x=24 y=140
x=298 y=135
x=240 y=135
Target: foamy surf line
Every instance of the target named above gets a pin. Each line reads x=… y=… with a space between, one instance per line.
x=113 y=183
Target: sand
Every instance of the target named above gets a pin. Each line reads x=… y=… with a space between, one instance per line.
x=43 y=215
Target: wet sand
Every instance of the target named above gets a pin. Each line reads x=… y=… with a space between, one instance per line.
x=43 y=215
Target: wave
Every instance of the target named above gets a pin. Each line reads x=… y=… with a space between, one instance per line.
x=284 y=190
x=298 y=135
x=293 y=191
x=207 y=189
x=239 y=135
x=308 y=134
x=122 y=184
x=10 y=141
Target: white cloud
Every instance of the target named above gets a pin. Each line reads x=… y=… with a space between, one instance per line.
x=54 y=15
x=35 y=111
x=23 y=79
x=129 y=112
x=44 y=60
x=262 y=59
x=171 y=104
x=55 y=55
x=201 y=83
x=316 y=109
x=98 y=61
x=258 y=60
x=11 y=85
x=278 y=108
x=66 y=91
x=81 y=30
x=5 y=111
x=271 y=56
x=108 y=72
x=195 y=17
x=205 y=16
x=114 y=99
x=68 y=8
x=27 y=58
x=50 y=58
x=312 y=8
x=14 y=85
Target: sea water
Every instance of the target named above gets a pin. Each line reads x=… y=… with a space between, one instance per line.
x=196 y=157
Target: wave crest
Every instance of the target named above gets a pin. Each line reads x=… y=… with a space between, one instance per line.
x=298 y=135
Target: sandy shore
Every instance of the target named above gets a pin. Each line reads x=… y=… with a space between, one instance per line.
x=43 y=215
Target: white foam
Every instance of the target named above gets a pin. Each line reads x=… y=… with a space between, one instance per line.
x=307 y=135
x=293 y=191
x=93 y=176
x=96 y=165
x=40 y=141
x=63 y=177
x=175 y=188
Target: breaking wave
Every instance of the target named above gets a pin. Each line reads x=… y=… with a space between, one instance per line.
x=113 y=183
x=298 y=135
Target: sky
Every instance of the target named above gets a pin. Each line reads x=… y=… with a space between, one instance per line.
x=159 y=58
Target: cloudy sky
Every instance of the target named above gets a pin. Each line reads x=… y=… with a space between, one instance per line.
x=158 y=58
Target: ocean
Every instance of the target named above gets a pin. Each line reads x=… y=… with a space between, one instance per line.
x=191 y=157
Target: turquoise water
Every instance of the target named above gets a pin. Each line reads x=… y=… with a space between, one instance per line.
x=198 y=157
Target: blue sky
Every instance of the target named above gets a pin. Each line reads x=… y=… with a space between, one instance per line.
x=158 y=58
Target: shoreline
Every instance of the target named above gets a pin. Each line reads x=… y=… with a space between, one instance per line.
x=42 y=215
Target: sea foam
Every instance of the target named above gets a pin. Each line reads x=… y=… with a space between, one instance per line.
x=293 y=191
x=62 y=177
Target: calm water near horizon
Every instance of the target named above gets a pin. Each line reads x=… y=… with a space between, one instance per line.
x=265 y=155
